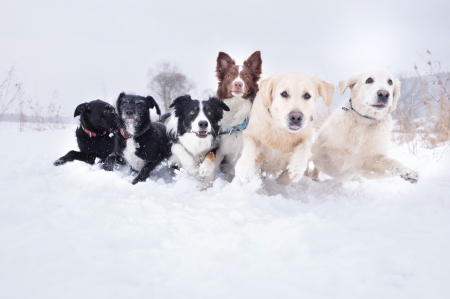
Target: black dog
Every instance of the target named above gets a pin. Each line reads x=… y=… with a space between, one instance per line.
x=194 y=130
x=96 y=133
x=142 y=143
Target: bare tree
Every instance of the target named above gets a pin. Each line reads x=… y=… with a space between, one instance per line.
x=11 y=92
x=168 y=82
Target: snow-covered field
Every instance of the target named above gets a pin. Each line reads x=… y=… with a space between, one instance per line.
x=76 y=231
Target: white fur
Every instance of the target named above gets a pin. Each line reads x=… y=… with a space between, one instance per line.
x=349 y=145
x=231 y=145
x=238 y=79
x=190 y=150
x=130 y=150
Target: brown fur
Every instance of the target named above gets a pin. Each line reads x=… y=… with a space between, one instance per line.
x=210 y=156
x=227 y=72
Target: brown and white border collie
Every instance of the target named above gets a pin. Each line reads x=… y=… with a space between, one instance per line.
x=237 y=88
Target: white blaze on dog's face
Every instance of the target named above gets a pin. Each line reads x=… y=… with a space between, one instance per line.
x=373 y=92
x=291 y=98
x=200 y=124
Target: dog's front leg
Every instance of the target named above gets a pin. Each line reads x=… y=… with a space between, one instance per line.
x=383 y=166
x=184 y=158
x=74 y=155
x=245 y=166
x=297 y=165
x=207 y=166
x=110 y=162
x=145 y=171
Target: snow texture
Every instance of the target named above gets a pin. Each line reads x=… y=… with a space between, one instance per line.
x=76 y=231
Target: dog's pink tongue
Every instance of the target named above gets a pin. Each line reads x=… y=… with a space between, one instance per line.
x=203 y=133
x=295 y=127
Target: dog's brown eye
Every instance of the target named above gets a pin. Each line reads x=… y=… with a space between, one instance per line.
x=192 y=112
x=390 y=82
x=209 y=112
x=306 y=96
x=229 y=76
x=284 y=94
x=369 y=81
x=106 y=112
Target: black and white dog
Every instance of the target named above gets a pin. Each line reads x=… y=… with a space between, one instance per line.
x=142 y=143
x=194 y=130
x=96 y=133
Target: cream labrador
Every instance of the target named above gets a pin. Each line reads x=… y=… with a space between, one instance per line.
x=279 y=135
x=354 y=141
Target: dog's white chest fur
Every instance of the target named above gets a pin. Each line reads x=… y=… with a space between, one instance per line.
x=130 y=155
x=129 y=152
x=231 y=145
x=197 y=147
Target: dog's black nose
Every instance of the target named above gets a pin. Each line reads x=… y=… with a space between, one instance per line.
x=383 y=96
x=295 y=117
x=203 y=124
x=129 y=112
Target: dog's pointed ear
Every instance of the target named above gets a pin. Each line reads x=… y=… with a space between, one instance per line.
x=265 y=91
x=119 y=99
x=224 y=62
x=396 y=94
x=80 y=109
x=182 y=99
x=151 y=103
x=344 y=84
x=326 y=91
x=254 y=63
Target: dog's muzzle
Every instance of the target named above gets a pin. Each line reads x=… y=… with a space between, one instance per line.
x=295 y=120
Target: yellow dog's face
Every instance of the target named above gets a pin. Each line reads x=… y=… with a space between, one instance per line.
x=375 y=92
x=291 y=98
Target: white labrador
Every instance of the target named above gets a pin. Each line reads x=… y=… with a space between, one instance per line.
x=354 y=141
x=279 y=135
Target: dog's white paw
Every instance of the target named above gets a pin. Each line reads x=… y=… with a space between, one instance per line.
x=410 y=176
x=244 y=172
x=206 y=168
x=296 y=170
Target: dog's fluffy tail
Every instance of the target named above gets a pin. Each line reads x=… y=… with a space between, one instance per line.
x=164 y=118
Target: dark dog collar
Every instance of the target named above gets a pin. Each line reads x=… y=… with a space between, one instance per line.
x=92 y=134
x=351 y=106
x=127 y=134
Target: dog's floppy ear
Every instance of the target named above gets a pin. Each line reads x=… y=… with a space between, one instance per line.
x=220 y=103
x=396 y=94
x=80 y=109
x=344 y=84
x=119 y=99
x=326 y=91
x=151 y=103
x=254 y=62
x=224 y=61
x=182 y=99
x=265 y=91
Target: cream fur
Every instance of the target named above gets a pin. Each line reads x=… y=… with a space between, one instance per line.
x=269 y=143
x=350 y=145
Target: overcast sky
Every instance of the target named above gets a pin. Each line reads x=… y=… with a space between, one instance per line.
x=96 y=49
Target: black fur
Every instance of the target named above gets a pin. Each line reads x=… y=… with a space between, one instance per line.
x=184 y=105
x=152 y=143
x=99 y=118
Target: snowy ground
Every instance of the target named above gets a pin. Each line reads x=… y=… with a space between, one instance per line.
x=75 y=231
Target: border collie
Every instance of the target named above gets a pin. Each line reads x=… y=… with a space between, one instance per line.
x=237 y=88
x=96 y=133
x=142 y=143
x=194 y=130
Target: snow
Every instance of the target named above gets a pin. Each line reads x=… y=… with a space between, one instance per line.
x=75 y=231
